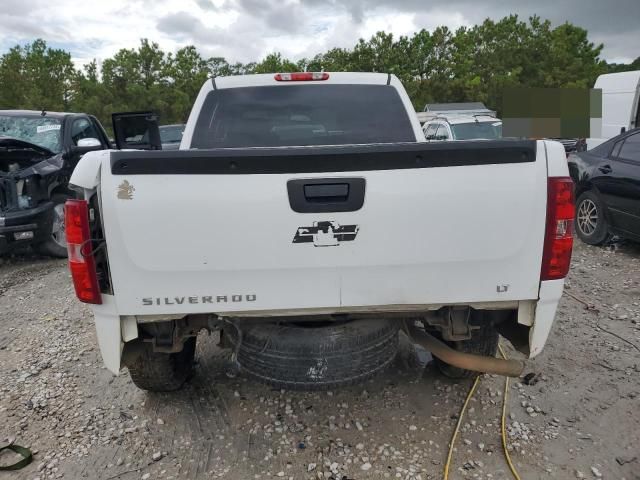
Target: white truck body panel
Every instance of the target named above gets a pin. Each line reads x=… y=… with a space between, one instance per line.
x=427 y=237
x=420 y=242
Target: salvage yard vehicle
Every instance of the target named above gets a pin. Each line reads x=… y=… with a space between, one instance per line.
x=607 y=180
x=38 y=152
x=453 y=108
x=473 y=121
x=572 y=145
x=171 y=136
x=459 y=121
x=463 y=127
x=620 y=104
x=308 y=225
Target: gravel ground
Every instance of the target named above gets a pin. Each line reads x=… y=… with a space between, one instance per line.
x=577 y=418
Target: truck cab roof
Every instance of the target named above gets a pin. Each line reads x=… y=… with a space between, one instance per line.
x=265 y=79
x=34 y=113
x=457 y=119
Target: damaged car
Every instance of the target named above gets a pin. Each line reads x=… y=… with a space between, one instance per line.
x=38 y=152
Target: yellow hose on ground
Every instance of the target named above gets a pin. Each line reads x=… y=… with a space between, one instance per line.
x=457 y=429
x=503 y=425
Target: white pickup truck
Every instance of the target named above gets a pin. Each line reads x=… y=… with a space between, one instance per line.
x=306 y=219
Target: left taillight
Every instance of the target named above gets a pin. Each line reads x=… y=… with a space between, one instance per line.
x=558 y=241
x=81 y=261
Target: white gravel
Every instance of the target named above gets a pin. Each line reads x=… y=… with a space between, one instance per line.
x=580 y=416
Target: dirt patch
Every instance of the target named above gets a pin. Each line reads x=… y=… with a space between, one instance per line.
x=577 y=416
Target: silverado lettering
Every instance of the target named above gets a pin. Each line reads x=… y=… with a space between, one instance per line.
x=149 y=301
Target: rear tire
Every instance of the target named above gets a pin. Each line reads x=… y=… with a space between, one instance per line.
x=591 y=223
x=483 y=342
x=157 y=371
x=56 y=244
x=312 y=357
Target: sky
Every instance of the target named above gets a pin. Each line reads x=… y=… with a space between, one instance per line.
x=247 y=30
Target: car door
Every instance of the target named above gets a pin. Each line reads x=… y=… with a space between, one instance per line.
x=618 y=181
x=628 y=164
x=82 y=128
x=136 y=130
x=102 y=134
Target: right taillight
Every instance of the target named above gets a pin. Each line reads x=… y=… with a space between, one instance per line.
x=558 y=240
x=81 y=261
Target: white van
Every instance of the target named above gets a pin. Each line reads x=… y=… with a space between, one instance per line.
x=620 y=104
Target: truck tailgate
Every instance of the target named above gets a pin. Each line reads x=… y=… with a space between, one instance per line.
x=215 y=231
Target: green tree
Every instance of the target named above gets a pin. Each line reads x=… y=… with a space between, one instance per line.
x=90 y=93
x=12 y=80
x=623 y=67
x=470 y=64
x=274 y=63
x=36 y=77
x=184 y=74
x=335 y=60
x=138 y=80
x=572 y=60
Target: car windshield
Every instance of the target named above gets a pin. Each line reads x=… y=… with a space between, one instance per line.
x=477 y=130
x=42 y=131
x=171 y=133
x=302 y=115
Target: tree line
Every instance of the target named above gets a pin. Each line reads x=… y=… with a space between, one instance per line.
x=468 y=64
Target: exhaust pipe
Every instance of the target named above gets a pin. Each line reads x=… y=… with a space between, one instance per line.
x=467 y=361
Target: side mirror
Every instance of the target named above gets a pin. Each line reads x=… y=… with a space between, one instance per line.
x=85 y=145
x=89 y=142
x=623 y=129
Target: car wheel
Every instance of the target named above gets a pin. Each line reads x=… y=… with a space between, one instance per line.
x=310 y=356
x=56 y=244
x=591 y=224
x=159 y=371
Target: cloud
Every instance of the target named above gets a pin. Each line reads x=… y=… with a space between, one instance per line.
x=207 y=5
x=607 y=22
x=182 y=24
x=247 y=30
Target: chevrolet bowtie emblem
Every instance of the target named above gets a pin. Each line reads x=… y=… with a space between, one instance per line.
x=326 y=234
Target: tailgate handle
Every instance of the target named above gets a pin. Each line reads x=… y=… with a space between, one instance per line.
x=329 y=192
x=320 y=195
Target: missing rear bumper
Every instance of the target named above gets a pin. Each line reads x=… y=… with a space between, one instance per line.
x=467 y=361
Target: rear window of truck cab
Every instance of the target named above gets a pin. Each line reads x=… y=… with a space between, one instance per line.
x=299 y=115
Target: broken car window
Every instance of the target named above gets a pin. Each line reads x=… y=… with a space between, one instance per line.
x=41 y=131
x=82 y=128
